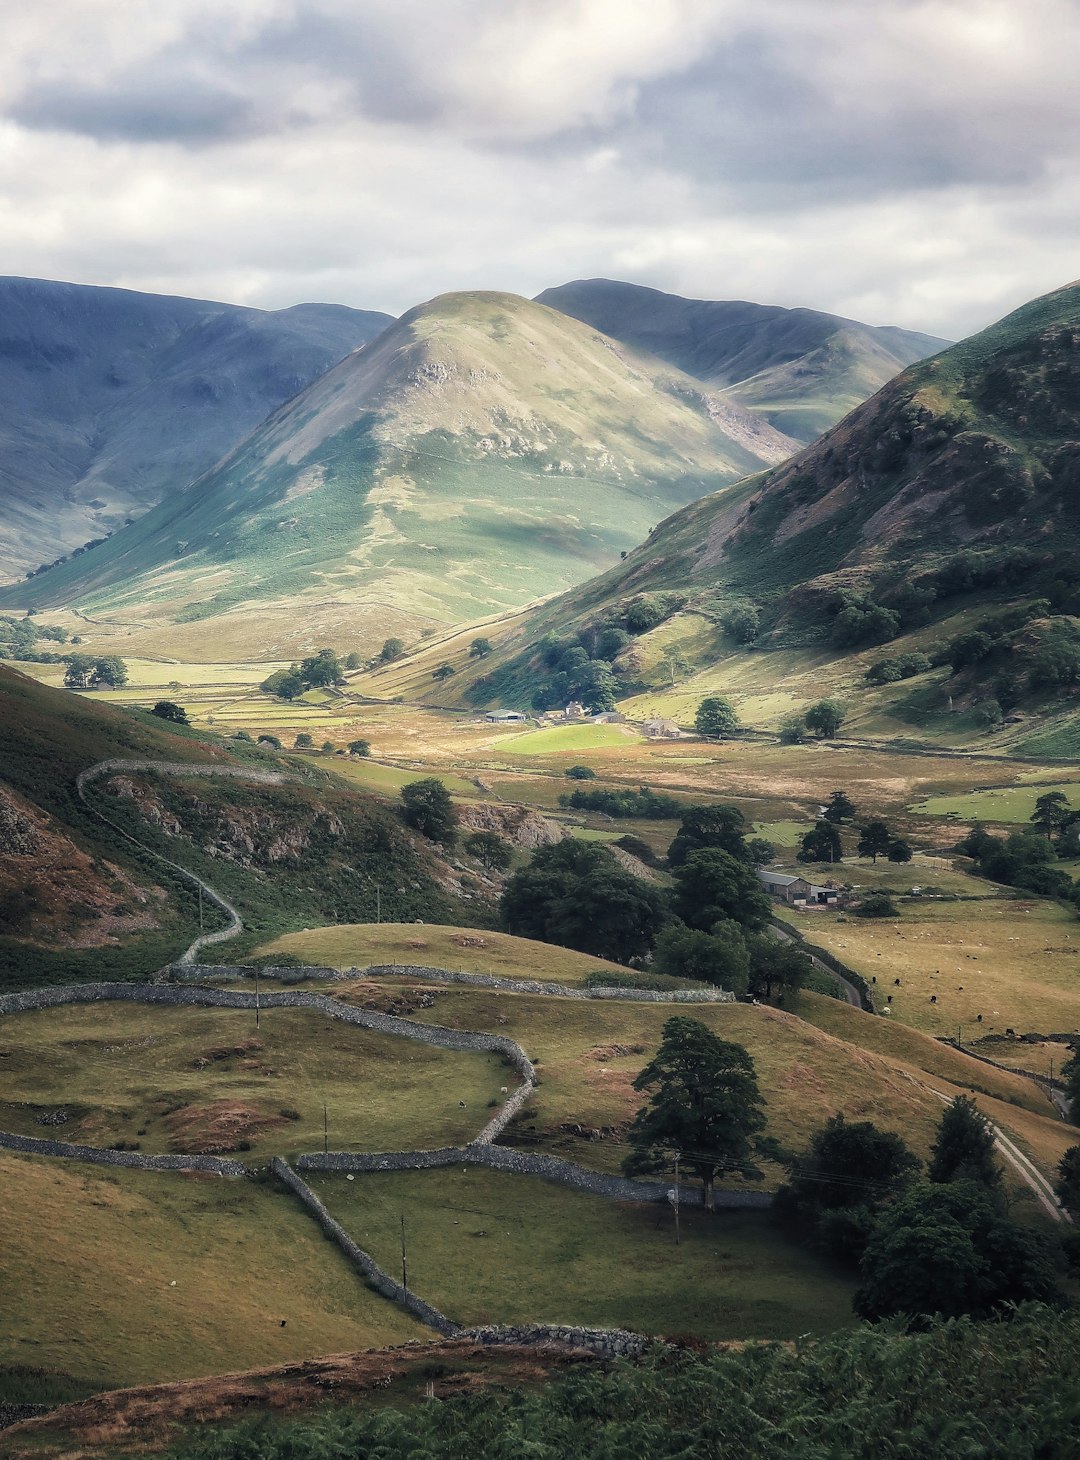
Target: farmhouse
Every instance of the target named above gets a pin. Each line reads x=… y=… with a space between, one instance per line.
x=796 y=891
x=661 y=730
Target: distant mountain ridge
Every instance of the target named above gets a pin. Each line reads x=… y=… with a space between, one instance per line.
x=110 y=398
x=483 y=451
x=800 y=369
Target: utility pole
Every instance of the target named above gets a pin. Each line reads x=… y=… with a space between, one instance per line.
x=404 y=1269
x=324 y=1135
x=673 y=1198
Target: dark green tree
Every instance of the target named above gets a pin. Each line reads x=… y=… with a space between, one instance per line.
x=708 y=826
x=793 y=730
x=1070 y=1073
x=286 y=684
x=270 y=741
x=821 y=845
x=825 y=718
x=712 y=885
x=109 y=670
x=963 y=1148
x=392 y=649
x=840 y=808
x=359 y=747
x=947 y=1250
x=580 y=773
x=1051 y=813
x=321 y=669
x=898 y=851
x=705 y=1106
x=1067 y=1185
x=716 y=717
x=489 y=848
x=444 y=672
x=479 y=648
x=576 y=894
x=719 y=956
x=762 y=852
x=874 y=840
x=303 y=741
x=877 y=904
x=777 y=967
x=353 y=661
x=429 y=810
x=166 y=710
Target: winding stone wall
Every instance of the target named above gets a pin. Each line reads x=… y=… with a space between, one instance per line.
x=235 y=972
x=530 y=1163
x=555 y=990
x=35 y=1146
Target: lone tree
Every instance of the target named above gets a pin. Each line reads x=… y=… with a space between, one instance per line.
x=825 y=718
x=166 y=710
x=875 y=838
x=1051 y=813
x=391 y=649
x=716 y=718
x=444 y=672
x=963 y=1149
x=429 y=810
x=898 y=851
x=489 y=848
x=303 y=741
x=705 y=1107
x=479 y=648
x=359 y=747
x=840 y=808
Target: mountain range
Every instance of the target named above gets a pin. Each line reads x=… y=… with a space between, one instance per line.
x=799 y=369
x=112 y=399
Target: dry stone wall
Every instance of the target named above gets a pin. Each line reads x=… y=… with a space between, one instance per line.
x=553 y=990
x=100 y=1156
x=530 y=1163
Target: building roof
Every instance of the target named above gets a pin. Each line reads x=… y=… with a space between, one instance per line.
x=779 y=879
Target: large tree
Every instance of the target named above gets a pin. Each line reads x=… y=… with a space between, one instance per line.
x=875 y=838
x=822 y=844
x=963 y=1148
x=776 y=966
x=429 y=810
x=576 y=894
x=716 y=717
x=1052 y=812
x=840 y=807
x=712 y=885
x=825 y=718
x=719 y=956
x=709 y=826
x=704 y=1107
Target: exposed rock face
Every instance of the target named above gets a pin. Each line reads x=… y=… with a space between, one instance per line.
x=515 y=824
x=18 y=835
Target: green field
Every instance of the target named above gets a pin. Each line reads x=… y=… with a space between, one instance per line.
x=466 y=949
x=487 y=1247
x=168 y=1078
x=562 y=739
x=386 y=780
x=127 y=1277
x=997 y=803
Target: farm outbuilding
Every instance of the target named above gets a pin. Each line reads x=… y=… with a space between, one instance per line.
x=796 y=891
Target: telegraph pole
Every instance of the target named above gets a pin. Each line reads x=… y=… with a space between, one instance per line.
x=404 y=1269
x=324 y=1135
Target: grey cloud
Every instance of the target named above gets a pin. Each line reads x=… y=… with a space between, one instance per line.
x=133 y=110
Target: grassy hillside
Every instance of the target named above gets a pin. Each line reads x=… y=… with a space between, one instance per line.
x=799 y=369
x=482 y=452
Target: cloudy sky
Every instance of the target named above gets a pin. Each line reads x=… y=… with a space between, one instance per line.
x=900 y=161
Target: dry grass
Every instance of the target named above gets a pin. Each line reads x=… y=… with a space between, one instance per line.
x=130 y=1277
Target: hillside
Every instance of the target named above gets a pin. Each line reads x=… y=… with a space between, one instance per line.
x=109 y=399
x=799 y=369
x=940 y=518
x=484 y=451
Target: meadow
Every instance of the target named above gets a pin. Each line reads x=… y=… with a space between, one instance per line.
x=124 y=1277
x=487 y=1247
x=166 y=1078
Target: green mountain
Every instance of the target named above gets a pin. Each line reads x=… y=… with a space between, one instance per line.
x=948 y=505
x=483 y=451
x=799 y=369
x=110 y=399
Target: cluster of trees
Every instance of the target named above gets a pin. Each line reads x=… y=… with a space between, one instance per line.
x=84 y=671
x=901 y=666
x=708 y=926
x=317 y=671
x=1022 y=859
x=622 y=804
x=940 y=1246
x=859 y=620
x=20 y=639
x=823 y=842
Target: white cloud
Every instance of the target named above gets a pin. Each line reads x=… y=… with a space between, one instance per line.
x=912 y=161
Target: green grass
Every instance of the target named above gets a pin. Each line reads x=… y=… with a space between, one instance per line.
x=190 y=1079
x=386 y=780
x=467 y=949
x=485 y=1246
x=561 y=739
x=127 y=1277
x=997 y=803
x=786 y=834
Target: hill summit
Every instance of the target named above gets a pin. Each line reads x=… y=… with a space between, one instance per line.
x=483 y=451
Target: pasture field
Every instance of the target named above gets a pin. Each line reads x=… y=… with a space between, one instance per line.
x=997 y=803
x=588 y=1054
x=488 y=1247
x=168 y=1078
x=901 y=879
x=387 y=780
x=564 y=739
x=1017 y=963
x=358 y=944
x=124 y=1277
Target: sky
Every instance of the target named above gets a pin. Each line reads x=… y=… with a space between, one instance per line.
x=912 y=162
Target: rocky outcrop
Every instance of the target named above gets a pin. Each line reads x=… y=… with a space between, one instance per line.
x=18 y=835
x=516 y=824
